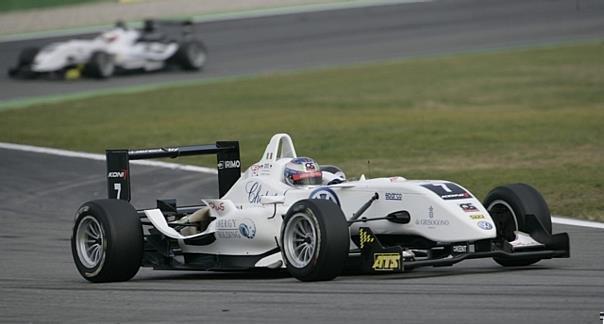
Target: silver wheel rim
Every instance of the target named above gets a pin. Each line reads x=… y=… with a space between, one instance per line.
x=90 y=242
x=300 y=239
x=197 y=56
x=106 y=65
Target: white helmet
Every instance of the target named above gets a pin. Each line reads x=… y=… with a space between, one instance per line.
x=302 y=171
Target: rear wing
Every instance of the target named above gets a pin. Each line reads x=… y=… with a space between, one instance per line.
x=118 y=164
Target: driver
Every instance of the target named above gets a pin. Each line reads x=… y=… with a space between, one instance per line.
x=303 y=171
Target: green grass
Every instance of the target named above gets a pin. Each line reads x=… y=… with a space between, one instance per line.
x=534 y=116
x=13 y=5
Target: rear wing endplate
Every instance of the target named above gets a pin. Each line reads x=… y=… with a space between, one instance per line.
x=118 y=164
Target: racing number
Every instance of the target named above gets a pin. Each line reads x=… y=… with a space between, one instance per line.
x=444 y=186
x=118 y=188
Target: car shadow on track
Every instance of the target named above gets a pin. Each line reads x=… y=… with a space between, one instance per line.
x=282 y=274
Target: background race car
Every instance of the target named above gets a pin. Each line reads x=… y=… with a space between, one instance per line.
x=155 y=46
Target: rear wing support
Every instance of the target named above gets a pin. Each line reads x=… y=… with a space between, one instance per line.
x=118 y=164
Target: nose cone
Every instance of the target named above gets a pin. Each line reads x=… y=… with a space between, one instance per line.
x=50 y=60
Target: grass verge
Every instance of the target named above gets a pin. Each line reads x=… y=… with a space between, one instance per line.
x=534 y=116
x=13 y=5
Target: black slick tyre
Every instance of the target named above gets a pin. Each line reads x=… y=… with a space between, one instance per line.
x=100 y=65
x=107 y=241
x=27 y=56
x=191 y=55
x=315 y=240
x=509 y=206
x=24 y=63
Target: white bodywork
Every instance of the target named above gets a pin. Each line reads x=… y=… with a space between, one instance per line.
x=122 y=44
x=248 y=218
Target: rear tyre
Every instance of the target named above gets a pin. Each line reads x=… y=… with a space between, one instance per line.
x=100 y=65
x=24 y=63
x=315 y=240
x=191 y=56
x=508 y=206
x=107 y=241
x=27 y=56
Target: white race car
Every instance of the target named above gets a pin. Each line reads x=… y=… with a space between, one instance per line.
x=151 y=48
x=288 y=212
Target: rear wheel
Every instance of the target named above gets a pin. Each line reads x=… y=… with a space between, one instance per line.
x=100 y=65
x=315 y=240
x=191 y=55
x=107 y=241
x=27 y=56
x=508 y=206
x=24 y=62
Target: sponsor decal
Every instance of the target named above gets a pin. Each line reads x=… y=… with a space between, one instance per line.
x=485 y=225
x=255 y=169
x=247 y=228
x=152 y=151
x=254 y=192
x=309 y=166
x=217 y=206
x=477 y=216
x=261 y=169
x=431 y=221
x=235 y=228
x=326 y=194
x=365 y=238
x=229 y=164
x=118 y=174
x=468 y=207
x=393 y=196
x=459 y=249
x=447 y=190
x=386 y=261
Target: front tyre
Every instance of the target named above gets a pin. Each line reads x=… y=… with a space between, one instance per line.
x=107 y=241
x=191 y=55
x=509 y=206
x=315 y=240
x=100 y=66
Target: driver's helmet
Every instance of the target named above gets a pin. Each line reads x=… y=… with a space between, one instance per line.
x=303 y=171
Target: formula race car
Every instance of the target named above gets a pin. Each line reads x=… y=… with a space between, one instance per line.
x=288 y=212
x=155 y=46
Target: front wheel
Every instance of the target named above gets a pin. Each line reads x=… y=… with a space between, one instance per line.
x=107 y=241
x=192 y=55
x=315 y=240
x=100 y=65
x=509 y=206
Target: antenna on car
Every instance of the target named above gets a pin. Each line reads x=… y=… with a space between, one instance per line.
x=369 y=168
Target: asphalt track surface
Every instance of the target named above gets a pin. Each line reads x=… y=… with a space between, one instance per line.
x=39 y=193
x=39 y=282
x=308 y=40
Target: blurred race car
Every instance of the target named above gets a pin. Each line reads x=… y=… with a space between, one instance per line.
x=153 y=47
x=288 y=212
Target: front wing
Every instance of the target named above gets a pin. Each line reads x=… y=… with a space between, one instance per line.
x=377 y=258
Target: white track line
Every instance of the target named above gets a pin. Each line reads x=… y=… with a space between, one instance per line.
x=101 y=157
x=194 y=168
x=576 y=222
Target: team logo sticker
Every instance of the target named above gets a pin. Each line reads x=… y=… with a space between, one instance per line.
x=386 y=261
x=235 y=228
x=485 y=225
x=325 y=194
x=247 y=228
x=468 y=207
